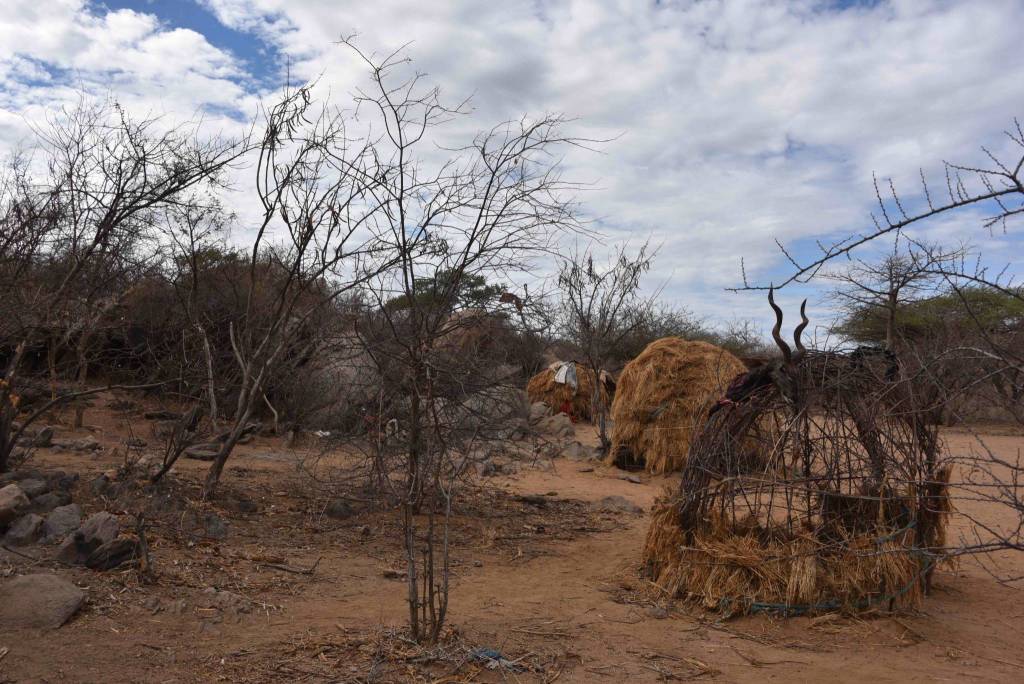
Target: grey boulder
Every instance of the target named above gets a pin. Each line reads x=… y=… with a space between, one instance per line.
x=24 y=531
x=34 y=487
x=12 y=502
x=98 y=529
x=44 y=503
x=38 y=602
x=62 y=521
x=559 y=425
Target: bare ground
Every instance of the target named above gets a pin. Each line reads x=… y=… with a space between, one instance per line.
x=541 y=577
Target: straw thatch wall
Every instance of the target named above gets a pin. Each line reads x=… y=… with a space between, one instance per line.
x=844 y=507
x=662 y=399
x=542 y=387
x=741 y=567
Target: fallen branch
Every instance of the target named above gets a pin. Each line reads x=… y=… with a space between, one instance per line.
x=288 y=568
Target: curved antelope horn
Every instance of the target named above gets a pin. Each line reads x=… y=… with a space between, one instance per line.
x=787 y=353
x=800 y=350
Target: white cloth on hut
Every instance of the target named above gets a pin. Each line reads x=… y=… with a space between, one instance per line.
x=565 y=374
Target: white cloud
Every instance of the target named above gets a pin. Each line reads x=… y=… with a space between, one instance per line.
x=52 y=51
x=736 y=121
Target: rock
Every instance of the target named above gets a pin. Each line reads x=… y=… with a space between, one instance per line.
x=559 y=426
x=339 y=509
x=98 y=529
x=538 y=411
x=226 y=601
x=618 y=504
x=34 y=487
x=12 y=502
x=25 y=530
x=161 y=415
x=632 y=478
x=577 y=452
x=585 y=470
x=62 y=481
x=44 y=503
x=102 y=526
x=203 y=452
x=657 y=612
x=123 y=405
x=38 y=602
x=61 y=522
x=247 y=506
x=135 y=443
x=214 y=526
x=19 y=475
x=42 y=439
x=99 y=485
x=163 y=428
x=85 y=444
x=488 y=468
x=114 y=554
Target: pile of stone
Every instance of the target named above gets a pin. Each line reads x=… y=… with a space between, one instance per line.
x=560 y=431
x=36 y=509
x=44 y=439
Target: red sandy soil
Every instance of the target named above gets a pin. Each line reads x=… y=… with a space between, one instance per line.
x=553 y=586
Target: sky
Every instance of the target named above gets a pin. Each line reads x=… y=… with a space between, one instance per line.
x=730 y=124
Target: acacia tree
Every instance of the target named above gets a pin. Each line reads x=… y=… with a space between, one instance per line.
x=479 y=214
x=869 y=290
x=107 y=174
x=601 y=307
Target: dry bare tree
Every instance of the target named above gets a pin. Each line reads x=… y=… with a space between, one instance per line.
x=107 y=174
x=601 y=307
x=196 y=232
x=315 y=181
x=479 y=213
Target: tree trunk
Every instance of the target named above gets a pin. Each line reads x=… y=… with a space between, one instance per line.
x=210 y=387
x=83 y=373
x=7 y=413
x=9 y=408
x=890 y=322
x=599 y=409
x=217 y=467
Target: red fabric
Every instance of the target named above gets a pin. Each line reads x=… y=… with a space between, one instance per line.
x=566 y=408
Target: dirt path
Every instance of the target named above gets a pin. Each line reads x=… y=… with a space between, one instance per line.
x=568 y=596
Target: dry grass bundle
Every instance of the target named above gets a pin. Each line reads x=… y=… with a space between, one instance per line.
x=542 y=387
x=739 y=568
x=662 y=400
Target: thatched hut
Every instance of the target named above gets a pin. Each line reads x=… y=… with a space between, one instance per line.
x=568 y=387
x=662 y=399
x=844 y=507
